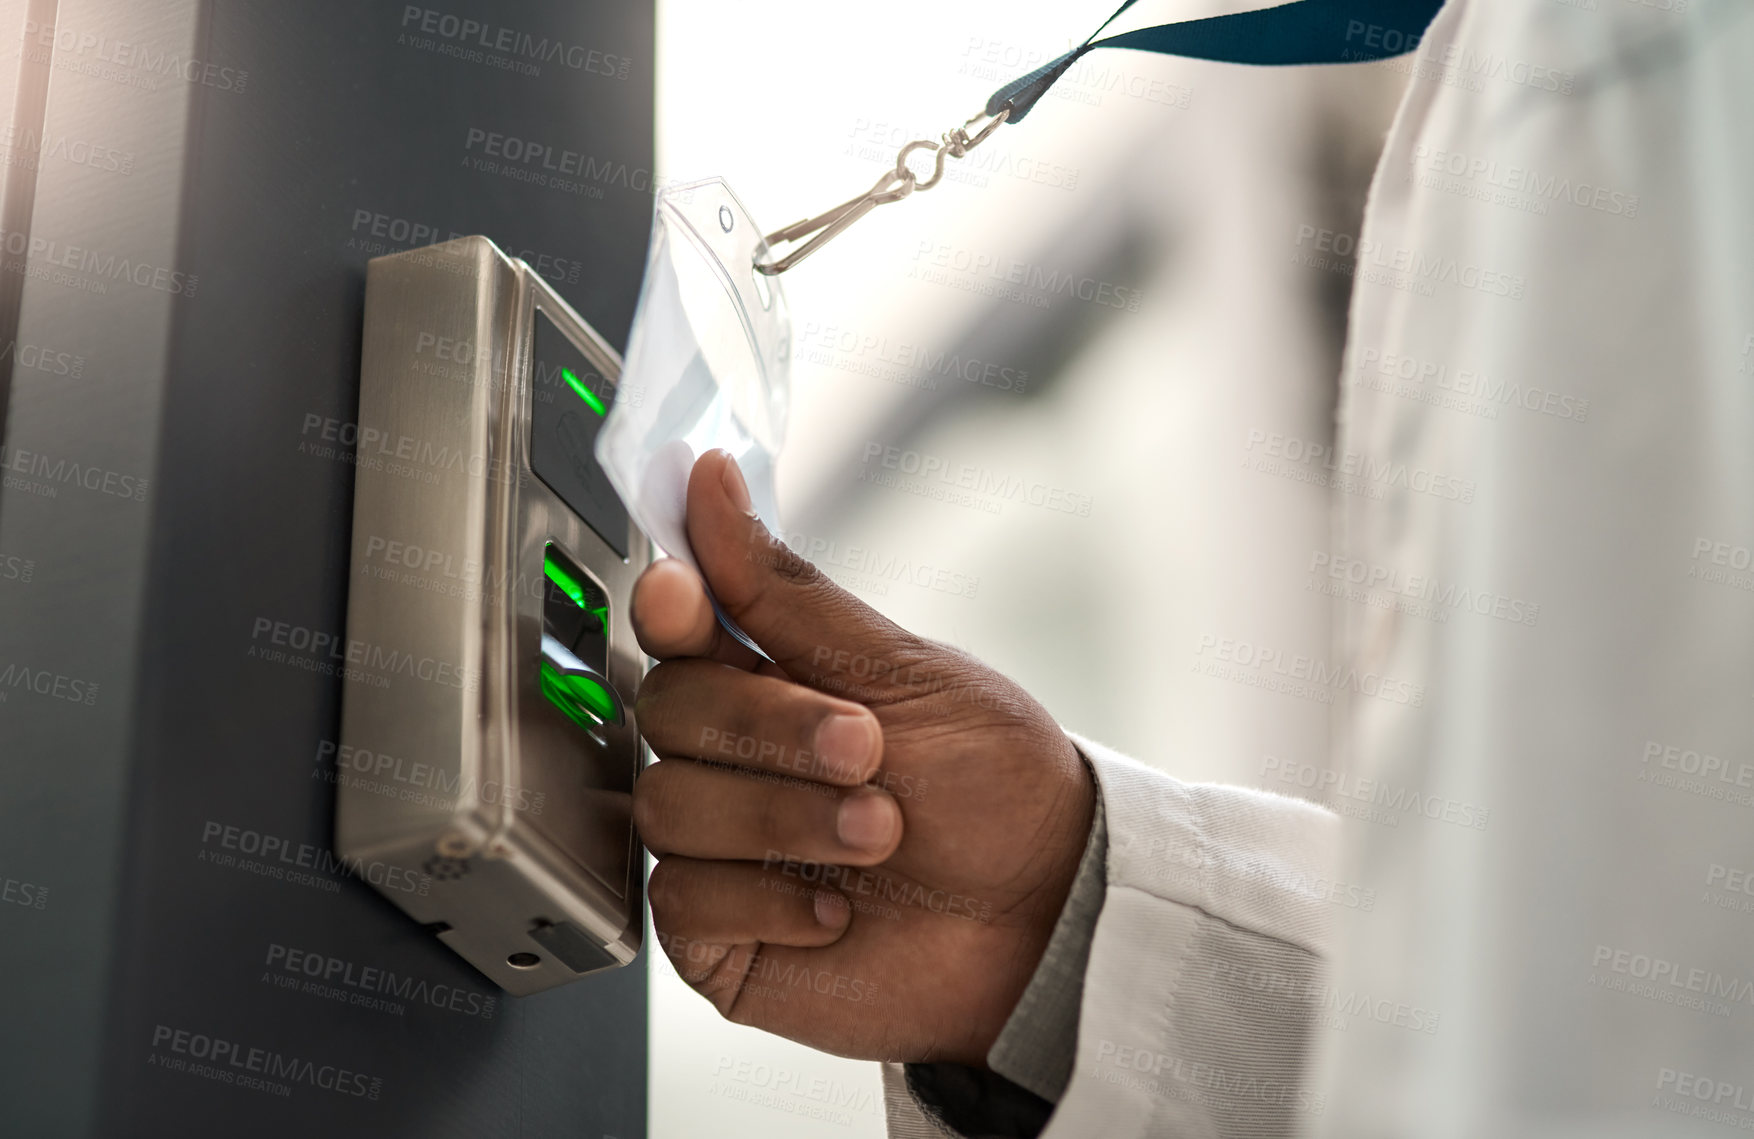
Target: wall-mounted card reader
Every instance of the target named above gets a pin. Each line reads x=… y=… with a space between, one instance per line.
x=488 y=732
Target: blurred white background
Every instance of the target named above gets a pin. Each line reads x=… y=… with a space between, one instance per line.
x=1179 y=185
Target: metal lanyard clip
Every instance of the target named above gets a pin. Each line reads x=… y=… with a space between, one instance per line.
x=893 y=186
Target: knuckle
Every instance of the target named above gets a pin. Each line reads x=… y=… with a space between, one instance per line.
x=654 y=697
x=778 y=715
x=694 y=960
x=743 y=1013
x=664 y=891
x=773 y=823
x=792 y=567
x=654 y=796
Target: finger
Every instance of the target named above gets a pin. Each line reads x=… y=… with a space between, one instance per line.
x=696 y=961
x=687 y=808
x=703 y=710
x=673 y=617
x=717 y=971
x=729 y=902
x=796 y=614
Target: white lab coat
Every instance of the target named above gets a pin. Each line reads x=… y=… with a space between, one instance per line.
x=1540 y=917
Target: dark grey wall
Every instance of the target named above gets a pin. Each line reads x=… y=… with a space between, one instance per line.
x=354 y=131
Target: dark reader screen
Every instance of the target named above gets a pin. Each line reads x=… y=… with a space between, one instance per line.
x=569 y=400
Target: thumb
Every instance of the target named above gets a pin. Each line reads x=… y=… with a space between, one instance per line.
x=809 y=625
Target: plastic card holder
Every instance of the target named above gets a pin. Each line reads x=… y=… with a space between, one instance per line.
x=708 y=365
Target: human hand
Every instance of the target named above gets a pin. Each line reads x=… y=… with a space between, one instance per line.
x=874 y=857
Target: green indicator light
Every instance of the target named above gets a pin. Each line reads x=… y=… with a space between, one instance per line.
x=558 y=575
x=591 y=398
x=585 y=702
x=556 y=692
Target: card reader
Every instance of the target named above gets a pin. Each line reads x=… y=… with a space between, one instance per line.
x=487 y=735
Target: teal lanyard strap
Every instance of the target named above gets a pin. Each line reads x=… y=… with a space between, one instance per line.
x=1302 y=32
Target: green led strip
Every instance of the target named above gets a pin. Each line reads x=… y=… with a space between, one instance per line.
x=564 y=580
x=569 y=585
x=591 y=398
x=585 y=702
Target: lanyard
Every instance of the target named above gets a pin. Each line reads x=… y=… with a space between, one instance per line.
x=1301 y=32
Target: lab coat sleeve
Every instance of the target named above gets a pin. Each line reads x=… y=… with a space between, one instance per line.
x=1205 y=974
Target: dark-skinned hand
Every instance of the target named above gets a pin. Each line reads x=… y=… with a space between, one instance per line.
x=863 y=845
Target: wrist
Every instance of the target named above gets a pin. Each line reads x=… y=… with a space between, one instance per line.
x=1066 y=839
x=1038 y=1043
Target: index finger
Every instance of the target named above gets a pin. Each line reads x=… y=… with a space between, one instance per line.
x=702 y=710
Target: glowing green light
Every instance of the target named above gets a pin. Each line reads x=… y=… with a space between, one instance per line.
x=569 y=585
x=591 y=398
x=564 y=580
x=585 y=702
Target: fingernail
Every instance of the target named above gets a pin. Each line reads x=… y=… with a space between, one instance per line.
x=867 y=822
x=831 y=909
x=846 y=742
x=735 y=488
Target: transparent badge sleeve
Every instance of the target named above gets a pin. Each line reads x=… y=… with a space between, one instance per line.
x=708 y=365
